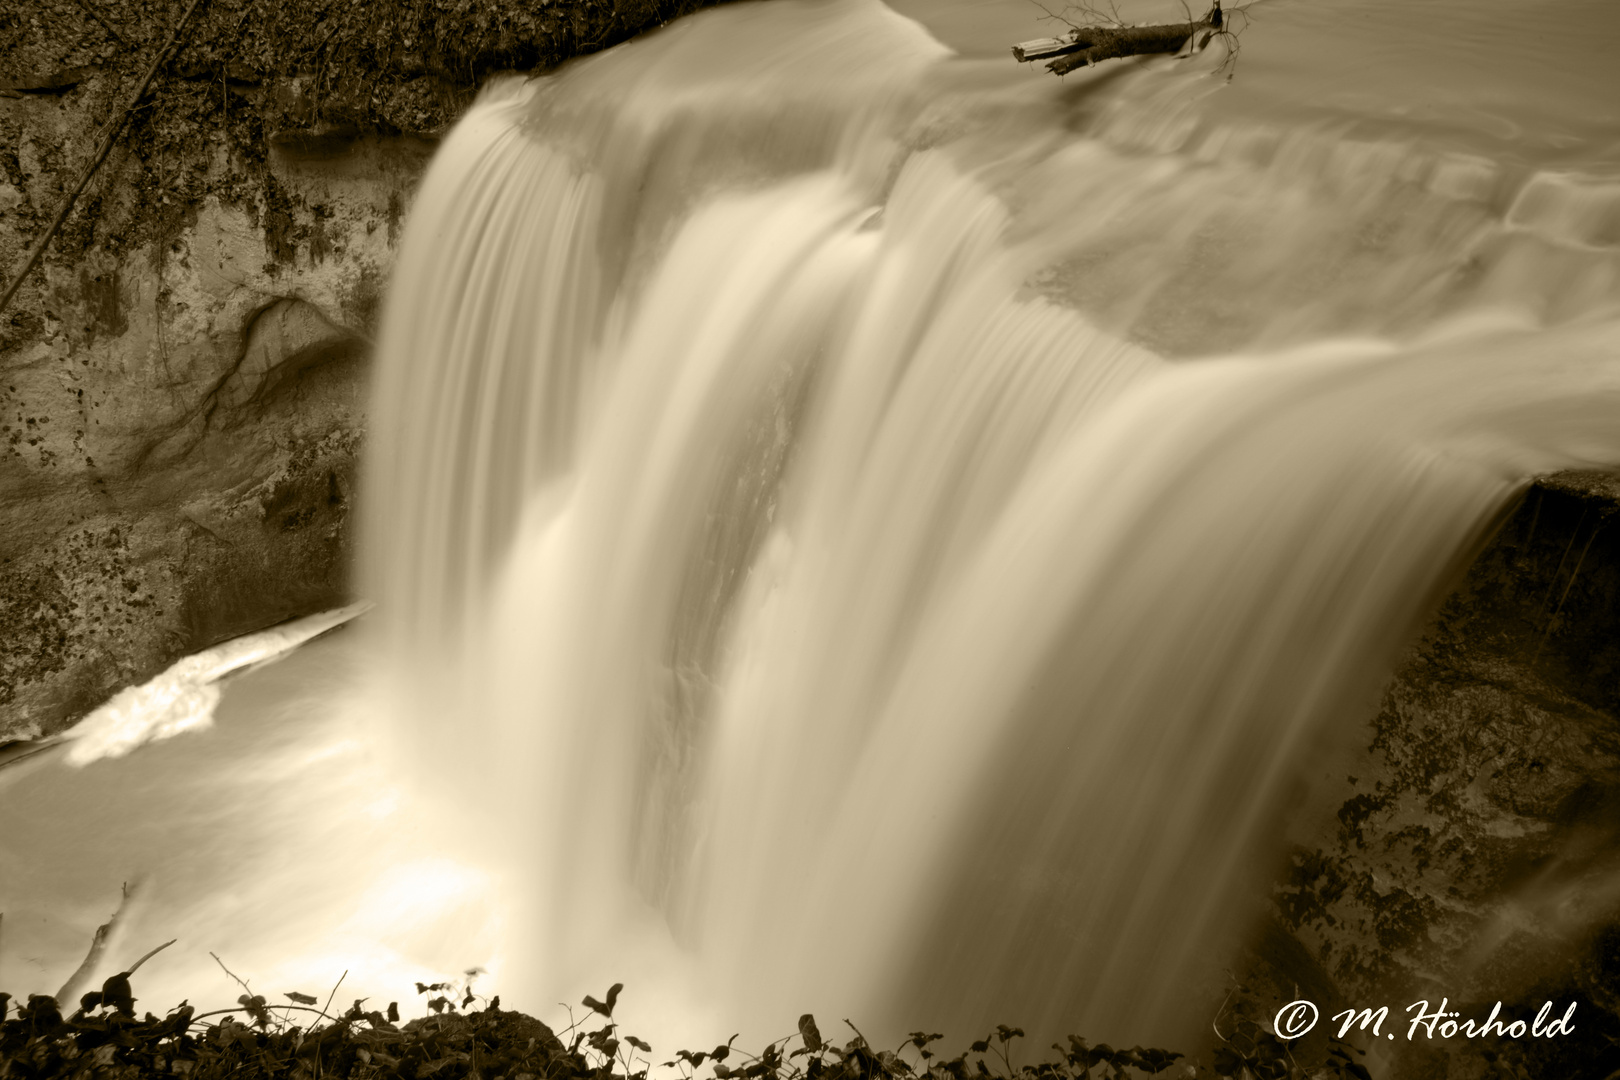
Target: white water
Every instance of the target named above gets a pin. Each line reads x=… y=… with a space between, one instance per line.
x=865 y=532
x=184 y=695
x=808 y=554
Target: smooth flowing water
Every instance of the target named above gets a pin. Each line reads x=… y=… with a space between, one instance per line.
x=875 y=531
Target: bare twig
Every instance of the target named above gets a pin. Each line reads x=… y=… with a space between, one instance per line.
x=105 y=25
x=1535 y=517
x=335 y=986
x=1559 y=572
x=227 y=1012
x=108 y=137
x=149 y=955
x=232 y=974
x=321 y=75
x=1215 y=1024
x=1050 y=14
x=1547 y=630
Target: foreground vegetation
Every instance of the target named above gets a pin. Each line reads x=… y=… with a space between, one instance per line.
x=465 y=1035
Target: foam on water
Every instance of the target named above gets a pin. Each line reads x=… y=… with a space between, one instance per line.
x=184 y=696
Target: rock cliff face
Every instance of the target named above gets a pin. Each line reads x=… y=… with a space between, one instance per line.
x=1471 y=849
x=180 y=435
x=182 y=380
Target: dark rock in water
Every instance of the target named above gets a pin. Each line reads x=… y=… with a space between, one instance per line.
x=1475 y=848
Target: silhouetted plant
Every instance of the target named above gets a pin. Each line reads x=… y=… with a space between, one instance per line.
x=465 y=1035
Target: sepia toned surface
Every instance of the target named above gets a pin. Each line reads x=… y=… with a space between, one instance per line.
x=863 y=529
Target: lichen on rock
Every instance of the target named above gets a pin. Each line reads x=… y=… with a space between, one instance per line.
x=1474 y=847
x=182 y=379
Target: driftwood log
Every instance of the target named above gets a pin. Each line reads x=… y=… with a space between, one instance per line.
x=1085 y=45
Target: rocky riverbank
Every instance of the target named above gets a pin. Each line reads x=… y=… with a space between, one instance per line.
x=1471 y=849
x=182 y=380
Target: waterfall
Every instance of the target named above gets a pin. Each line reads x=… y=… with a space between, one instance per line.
x=892 y=531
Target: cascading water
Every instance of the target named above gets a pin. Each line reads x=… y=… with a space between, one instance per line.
x=862 y=530
x=809 y=488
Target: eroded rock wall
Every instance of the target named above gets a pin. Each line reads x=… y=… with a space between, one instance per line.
x=1471 y=848
x=180 y=435
x=182 y=380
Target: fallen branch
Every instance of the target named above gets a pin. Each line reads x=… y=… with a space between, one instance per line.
x=108 y=137
x=98 y=946
x=1086 y=45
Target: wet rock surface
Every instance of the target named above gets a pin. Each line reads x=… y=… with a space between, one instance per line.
x=1472 y=850
x=179 y=438
x=182 y=379
x=179 y=482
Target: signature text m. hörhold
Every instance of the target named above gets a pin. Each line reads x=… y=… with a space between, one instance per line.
x=1297 y=1017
